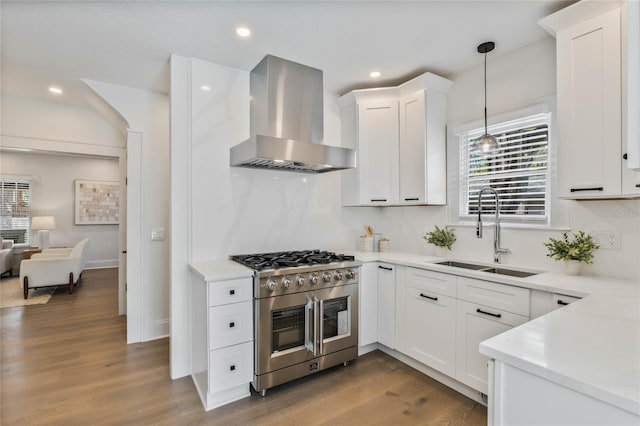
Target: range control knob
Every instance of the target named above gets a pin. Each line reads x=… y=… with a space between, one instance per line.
x=286 y=282
x=270 y=285
x=300 y=281
x=338 y=276
x=314 y=279
x=350 y=274
x=326 y=277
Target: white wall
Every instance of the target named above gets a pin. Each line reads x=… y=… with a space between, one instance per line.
x=517 y=80
x=55 y=121
x=52 y=194
x=147 y=113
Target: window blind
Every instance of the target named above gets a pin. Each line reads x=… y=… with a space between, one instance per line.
x=518 y=170
x=15 y=209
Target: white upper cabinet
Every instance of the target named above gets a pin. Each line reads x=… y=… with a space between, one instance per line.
x=592 y=142
x=400 y=137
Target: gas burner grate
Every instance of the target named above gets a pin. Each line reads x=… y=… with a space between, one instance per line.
x=289 y=259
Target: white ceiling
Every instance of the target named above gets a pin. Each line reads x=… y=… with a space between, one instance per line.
x=129 y=43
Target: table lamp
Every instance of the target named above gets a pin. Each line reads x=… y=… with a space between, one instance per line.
x=43 y=224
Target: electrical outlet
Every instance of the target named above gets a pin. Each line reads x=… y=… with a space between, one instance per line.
x=608 y=240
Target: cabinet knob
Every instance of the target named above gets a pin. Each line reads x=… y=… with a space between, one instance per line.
x=625 y=156
x=232 y=292
x=232 y=324
x=232 y=368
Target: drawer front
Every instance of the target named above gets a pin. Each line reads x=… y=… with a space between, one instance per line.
x=560 y=300
x=230 y=367
x=436 y=282
x=230 y=325
x=494 y=295
x=232 y=291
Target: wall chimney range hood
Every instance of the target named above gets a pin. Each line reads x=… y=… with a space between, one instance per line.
x=286 y=121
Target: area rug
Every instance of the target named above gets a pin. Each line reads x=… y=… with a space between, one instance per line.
x=11 y=294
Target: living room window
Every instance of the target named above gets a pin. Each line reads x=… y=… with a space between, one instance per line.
x=518 y=170
x=15 y=209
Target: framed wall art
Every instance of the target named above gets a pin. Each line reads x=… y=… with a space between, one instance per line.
x=97 y=202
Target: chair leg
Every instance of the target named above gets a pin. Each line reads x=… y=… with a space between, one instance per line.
x=25 y=287
x=70 y=282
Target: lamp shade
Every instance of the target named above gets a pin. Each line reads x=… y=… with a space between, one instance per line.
x=43 y=222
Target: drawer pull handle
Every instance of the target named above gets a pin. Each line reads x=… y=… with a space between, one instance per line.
x=595 y=188
x=562 y=302
x=480 y=311
x=428 y=297
x=637 y=185
x=232 y=324
x=412 y=199
x=232 y=292
x=385 y=268
x=378 y=200
x=232 y=368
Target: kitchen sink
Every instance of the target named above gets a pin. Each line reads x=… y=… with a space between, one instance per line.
x=489 y=269
x=510 y=272
x=462 y=265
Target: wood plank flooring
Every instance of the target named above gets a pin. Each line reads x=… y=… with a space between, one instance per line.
x=67 y=363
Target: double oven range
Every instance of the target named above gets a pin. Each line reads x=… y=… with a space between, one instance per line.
x=305 y=313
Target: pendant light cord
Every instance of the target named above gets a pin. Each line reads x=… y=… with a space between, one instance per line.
x=485 y=93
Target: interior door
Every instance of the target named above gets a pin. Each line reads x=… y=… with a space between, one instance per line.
x=134 y=245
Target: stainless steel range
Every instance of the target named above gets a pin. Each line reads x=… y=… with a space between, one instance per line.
x=305 y=313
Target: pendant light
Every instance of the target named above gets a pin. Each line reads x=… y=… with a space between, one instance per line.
x=486 y=144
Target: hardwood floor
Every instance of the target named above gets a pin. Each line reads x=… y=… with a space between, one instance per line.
x=67 y=363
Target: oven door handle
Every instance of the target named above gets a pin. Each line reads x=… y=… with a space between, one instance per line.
x=321 y=326
x=310 y=324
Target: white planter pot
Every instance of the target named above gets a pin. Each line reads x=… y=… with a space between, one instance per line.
x=572 y=267
x=441 y=251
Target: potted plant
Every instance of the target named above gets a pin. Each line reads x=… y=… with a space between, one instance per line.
x=441 y=238
x=574 y=252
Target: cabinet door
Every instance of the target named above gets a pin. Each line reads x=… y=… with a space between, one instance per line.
x=589 y=108
x=413 y=143
x=431 y=329
x=368 y=309
x=423 y=164
x=378 y=152
x=387 y=305
x=477 y=323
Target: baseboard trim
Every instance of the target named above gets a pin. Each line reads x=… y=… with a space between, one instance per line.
x=101 y=264
x=156 y=330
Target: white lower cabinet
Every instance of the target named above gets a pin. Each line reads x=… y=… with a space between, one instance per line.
x=387 y=304
x=222 y=340
x=368 y=304
x=476 y=323
x=431 y=329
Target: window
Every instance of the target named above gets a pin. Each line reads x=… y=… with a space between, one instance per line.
x=518 y=170
x=15 y=209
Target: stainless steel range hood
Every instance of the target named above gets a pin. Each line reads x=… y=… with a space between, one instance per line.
x=287 y=122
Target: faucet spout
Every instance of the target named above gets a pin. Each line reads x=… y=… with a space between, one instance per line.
x=497 y=250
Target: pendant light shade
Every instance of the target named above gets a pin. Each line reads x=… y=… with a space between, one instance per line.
x=486 y=144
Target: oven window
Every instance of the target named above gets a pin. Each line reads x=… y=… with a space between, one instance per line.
x=335 y=317
x=287 y=328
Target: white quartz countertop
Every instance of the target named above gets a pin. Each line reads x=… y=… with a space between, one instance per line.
x=591 y=345
x=578 y=286
x=220 y=270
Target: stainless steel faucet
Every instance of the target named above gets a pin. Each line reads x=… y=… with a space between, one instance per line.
x=497 y=250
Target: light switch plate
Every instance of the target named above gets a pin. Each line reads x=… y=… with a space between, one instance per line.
x=157 y=234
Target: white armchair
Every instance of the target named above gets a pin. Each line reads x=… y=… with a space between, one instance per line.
x=6 y=257
x=54 y=267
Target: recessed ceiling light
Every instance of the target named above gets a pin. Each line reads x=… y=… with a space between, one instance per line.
x=56 y=90
x=375 y=74
x=205 y=88
x=243 y=31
